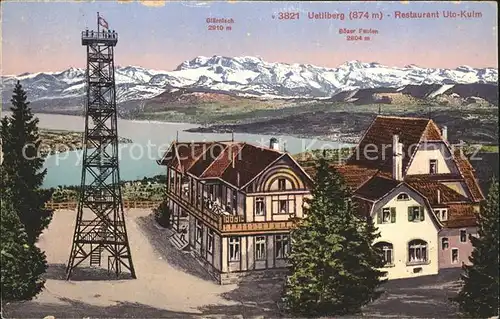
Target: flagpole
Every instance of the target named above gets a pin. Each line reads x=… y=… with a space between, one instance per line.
x=98 y=29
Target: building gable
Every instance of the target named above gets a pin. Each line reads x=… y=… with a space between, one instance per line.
x=402 y=205
x=439 y=153
x=285 y=168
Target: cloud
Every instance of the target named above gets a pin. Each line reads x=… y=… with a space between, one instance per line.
x=195 y=4
x=153 y=3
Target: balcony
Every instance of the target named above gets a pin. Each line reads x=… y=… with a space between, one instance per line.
x=103 y=38
x=222 y=218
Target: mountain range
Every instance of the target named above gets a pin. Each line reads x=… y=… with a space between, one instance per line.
x=250 y=77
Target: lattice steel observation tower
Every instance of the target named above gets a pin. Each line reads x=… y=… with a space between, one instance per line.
x=100 y=232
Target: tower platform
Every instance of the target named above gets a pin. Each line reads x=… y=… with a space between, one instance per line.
x=90 y=37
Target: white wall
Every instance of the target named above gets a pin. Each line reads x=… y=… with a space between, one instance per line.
x=402 y=231
x=428 y=151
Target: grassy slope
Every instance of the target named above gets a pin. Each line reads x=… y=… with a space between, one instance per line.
x=229 y=109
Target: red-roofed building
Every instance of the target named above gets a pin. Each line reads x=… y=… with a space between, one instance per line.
x=421 y=191
x=236 y=201
x=416 y=153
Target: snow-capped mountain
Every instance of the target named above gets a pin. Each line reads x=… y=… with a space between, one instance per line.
x=246 y=76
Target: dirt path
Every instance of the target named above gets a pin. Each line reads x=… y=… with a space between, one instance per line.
x=171 y=284
x=159 y=284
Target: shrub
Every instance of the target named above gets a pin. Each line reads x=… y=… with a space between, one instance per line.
x=162 y=214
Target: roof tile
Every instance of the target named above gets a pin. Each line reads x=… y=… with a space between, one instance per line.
x=233 y=162
x=430 y=190
x=375 y=148
x=461 y=215
x=376 y=187
x=467 y=172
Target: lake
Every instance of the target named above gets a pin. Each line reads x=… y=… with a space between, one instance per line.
x=150 y=141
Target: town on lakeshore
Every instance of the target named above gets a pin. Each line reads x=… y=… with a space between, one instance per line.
x=253 y=179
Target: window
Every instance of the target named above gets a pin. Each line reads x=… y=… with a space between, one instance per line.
x=433 y=166
x=210 y=241
x=260 y=248
x=211 y=189
x=234 y=248
x=463 y=235
x=259 y=206
x=417 y=252
x=281 y=184
x=454 y=256
x=403 y=196
x=442 y=214
x=199 y=231
x=282 y=246
x=387 y=215
x=387 y=252
x=283 y=206
x=235 y=200
x=415 y=213
x=444 y=243
x=172 y=181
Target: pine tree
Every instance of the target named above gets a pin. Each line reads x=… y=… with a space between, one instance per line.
x=478 y=297
x=22 y=166
x=22 y=263
x=333 y=260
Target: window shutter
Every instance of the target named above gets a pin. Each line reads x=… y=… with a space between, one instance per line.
x=410 y=215
x=379 y=216
x=422 y=213
x=393 y=214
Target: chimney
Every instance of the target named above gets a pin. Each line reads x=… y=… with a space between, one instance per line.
x=439 y=196
x=397 y=158
x=444 y=133
x=273 y=144
x=232 y=158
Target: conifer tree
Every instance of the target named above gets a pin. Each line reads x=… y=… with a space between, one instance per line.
x=22 y=166
x=22 y=264
x=333 y=260
x=478 y=297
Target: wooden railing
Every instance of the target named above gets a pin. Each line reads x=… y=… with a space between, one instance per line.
x=61 y=205
x=229 y=223
x=126 y=204
x=257 y=226
x=140 y=204
x=233 y=219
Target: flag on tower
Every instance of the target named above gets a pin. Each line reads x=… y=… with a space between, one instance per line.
x=102 y=22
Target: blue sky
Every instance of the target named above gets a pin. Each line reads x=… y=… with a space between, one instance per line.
x=41 y=36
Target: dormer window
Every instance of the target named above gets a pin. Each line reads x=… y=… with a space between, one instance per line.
x=281 y=184
x=433 y=169
x=403 y=196
x=442 y=214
